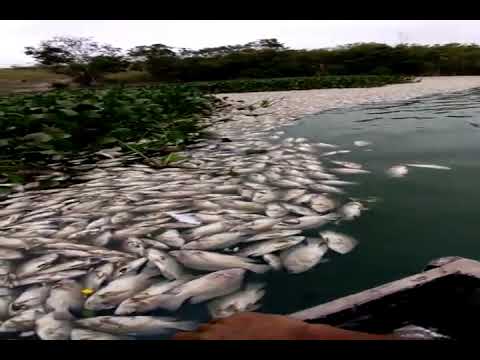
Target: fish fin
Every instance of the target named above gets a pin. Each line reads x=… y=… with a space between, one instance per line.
x=258 y=268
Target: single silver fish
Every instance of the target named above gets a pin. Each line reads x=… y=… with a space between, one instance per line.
x=120 y=289
x=210 y=229
x=322 y=204
x=147 y=299
x=361 y=143
x=35 y=265
x=430 y=166
x=397 y=171
x=185 y=218
x=300 y=210
x=98 y=276
x=276 y=210
x=48 y=277
x=24 y=321
x=211 y=261
x=306 y=222
x=349 y=171
x=273 y=260
x=204 y=288
x=339 y=242
x=168 y=266
x=273 y=234
x=240 y=301
x=327 y=189
x=351 y=210
x=339 y=182
x=65 y=296
x=135 y=325
x=129 y=268
x=30 y=298
x=217 y=241
x=48 y=327
x=171 y=238
x=270 y=246
x=303 y=257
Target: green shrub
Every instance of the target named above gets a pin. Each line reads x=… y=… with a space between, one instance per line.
x=299 y=83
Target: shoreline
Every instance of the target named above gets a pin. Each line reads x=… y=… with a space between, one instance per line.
x=292 y=105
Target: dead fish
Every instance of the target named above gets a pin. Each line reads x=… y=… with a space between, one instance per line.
x=146 y=300
x=339 y=242
x=49 y=277
x=347 y=164
x=284 y=183
x=320 y=144
x=303 y=199
x=430 y=166
x=276 y=210
x=10 y=254
x=48 y=327
x=185 y=218
x=209 y=217
x=65 y=296
x=30 y=298
x=24 y=321
x=293 y=194
x=13 y=243
x=171 y=238
x=129 y=268
x=97 y=277
x=272 y=235
x=349 y=171
x=303 y=257
x=118 y=290
x=217 y=241
x=362 y=143
x=243 y=205
x=240 y=301
x=397 y=171
x=322 y=204
x=257 y=225
x=98 y=223
x=211 y=261
x=121 y=217
x=351 y=210
x=320 y=175
x=206 y=205
x=204 y=288
x=306 y=222
x=300 y=210
x=265 y=196
x=327 y=189
x=35 y=265
x=258 y=178
x=270 y=246
x=133 y=245
x=168 y=266
x=273 y=261
x=138 y=325
x=210 y=229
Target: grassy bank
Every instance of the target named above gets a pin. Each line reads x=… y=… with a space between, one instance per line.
x=41 y=128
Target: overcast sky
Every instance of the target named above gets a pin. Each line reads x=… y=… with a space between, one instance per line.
x=195 y=34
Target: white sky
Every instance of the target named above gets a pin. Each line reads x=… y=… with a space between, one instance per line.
x=195 y=34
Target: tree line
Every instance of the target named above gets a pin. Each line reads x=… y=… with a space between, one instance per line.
x=88 y=61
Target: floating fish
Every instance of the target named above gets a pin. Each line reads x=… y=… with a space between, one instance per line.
x=430 y=166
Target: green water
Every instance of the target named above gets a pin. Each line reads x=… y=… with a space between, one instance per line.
x=425 y=215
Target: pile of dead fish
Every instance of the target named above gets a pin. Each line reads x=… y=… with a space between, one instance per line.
x=94 y=260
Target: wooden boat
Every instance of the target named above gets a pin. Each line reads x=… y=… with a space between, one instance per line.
x=444 y=298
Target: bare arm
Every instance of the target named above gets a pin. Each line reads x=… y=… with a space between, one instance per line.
x=256 y=326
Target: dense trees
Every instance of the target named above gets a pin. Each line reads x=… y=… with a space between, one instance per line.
x=266 y=58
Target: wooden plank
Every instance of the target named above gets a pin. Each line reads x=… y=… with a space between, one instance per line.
x=461 y=266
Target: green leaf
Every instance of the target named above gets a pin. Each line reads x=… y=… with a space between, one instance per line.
x=69 y=112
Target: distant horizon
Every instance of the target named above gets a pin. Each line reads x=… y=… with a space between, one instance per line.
x=197 y=34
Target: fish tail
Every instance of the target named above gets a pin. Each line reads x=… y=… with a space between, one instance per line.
x=258 y=268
